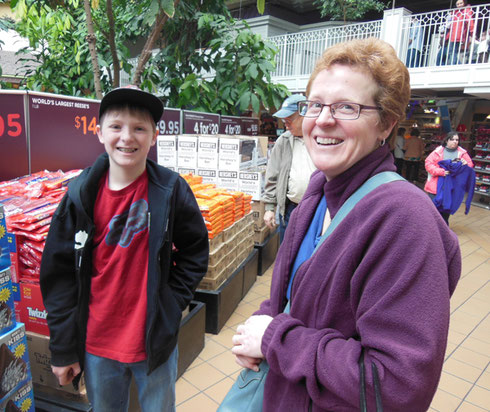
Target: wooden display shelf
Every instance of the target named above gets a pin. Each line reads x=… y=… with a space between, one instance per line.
x=221 y=303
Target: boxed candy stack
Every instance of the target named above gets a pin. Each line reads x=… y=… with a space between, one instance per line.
x=228 y=218
x=30 y=203
x=16 y=393
x=7 y=306
x=226 y=201
x=212 y=213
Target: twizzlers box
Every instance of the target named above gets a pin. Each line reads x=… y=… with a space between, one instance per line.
x=32 y=311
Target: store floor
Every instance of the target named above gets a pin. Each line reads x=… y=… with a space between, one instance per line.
x=465 y=380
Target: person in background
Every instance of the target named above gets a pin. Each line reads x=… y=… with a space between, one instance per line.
x=379 y=285
x=458 y=31
x=414 y=149
x=288 y=169
x=449 y=150
x=415 y=43
x=399 y=150
x=483 y=47
x=114 y=286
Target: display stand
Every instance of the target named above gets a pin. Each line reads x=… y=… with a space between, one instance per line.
x=221 y=303
x=191 y=336
x=250 y=270
x=267 y=252
x=49 y=399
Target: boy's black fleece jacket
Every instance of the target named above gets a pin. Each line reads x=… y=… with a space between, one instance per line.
x=173 y=275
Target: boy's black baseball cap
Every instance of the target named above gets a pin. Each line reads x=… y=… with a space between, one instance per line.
x=134 y=96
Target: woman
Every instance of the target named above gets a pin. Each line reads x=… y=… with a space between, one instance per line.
x=414 y=149
x=449 y=150
x=380 y=283
x=459 y=29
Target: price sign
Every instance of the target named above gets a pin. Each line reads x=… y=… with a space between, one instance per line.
x=63 y=132
x=230 y=125
x=13 y=140
x=250 y=126
x=86 y=125
x=170 y=122
x=200 y=123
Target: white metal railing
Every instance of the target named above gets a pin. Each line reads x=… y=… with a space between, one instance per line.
x=298 y=52
x=427 y=40
x=446 y=37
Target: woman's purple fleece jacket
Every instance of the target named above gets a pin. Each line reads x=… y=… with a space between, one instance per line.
x=381 y=281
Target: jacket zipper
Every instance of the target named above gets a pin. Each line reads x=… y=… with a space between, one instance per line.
x=158 y=268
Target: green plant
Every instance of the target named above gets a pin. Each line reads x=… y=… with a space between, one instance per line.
x=348 y=10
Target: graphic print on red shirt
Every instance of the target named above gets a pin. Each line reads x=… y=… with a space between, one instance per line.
x=117 y=307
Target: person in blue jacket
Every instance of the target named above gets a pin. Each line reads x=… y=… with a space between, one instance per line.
x=449 y=150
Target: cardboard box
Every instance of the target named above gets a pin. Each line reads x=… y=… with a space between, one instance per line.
x=208 y=175
x=7 y=306
x=228 y=179
x=252 y=183
x=229 y=154
x=32 y=311
x=215 y=270
x=207 y=152
x=15 y=369
x=216 y=242
x=167 y=151
x=229 y=233
x=186 y=171
x=40 y=358
x=240 y=152
x=216 y=256
x=258 y=211
x=213 y=283
x=22 y=399
x=261 y=235
x=187 y=151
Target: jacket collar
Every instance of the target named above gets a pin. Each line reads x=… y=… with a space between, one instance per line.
x=338 y=190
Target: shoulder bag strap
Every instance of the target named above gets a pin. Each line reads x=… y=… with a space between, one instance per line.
x=367 y=187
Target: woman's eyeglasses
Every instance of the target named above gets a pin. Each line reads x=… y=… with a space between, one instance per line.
x=340 y=110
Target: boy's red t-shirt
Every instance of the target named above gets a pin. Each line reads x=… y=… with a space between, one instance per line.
x=117 y=306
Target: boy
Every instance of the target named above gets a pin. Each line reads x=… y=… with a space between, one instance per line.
x=126 y=249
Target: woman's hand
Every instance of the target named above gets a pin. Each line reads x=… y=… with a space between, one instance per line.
x=270 y=219
x=248 y=362
x=248 y=340
x=463 y=162
x=446 y=172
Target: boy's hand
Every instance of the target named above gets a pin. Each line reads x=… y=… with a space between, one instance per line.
x=65 y=374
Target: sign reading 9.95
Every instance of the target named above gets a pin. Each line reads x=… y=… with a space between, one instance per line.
x=170 y=123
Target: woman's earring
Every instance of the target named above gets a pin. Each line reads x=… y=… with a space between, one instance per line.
x=383 y=142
